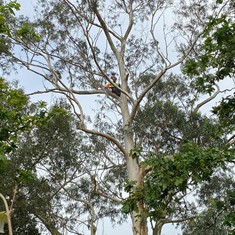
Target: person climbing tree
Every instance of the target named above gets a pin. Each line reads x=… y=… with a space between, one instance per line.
x=113 y=88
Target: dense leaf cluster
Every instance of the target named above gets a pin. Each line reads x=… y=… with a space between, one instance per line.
x=170 y=178
x=215 y=62
x=217 y=53
x=6 y=10
x=13 y=119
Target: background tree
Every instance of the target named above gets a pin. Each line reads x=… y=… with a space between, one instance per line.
x=13 y=117
x=213 y=62
x=217 y=197
x=211 y=65
x=79 y=45
x=7 y=17
x=56 y=156
x=14 y=120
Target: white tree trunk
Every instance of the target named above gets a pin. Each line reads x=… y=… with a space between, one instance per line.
x=135 y=174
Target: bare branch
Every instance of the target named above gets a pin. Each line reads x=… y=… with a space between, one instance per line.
x=108 y=137
x=208 y=99
x=171 y=221
x=159 y=76
x=106 y=31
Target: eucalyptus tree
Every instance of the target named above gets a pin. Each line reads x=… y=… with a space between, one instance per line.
x=75 y=45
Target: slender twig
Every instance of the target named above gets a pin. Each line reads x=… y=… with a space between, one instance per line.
x=14 y=197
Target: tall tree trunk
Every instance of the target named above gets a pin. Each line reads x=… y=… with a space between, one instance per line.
x=139 y=219
x=135 y=172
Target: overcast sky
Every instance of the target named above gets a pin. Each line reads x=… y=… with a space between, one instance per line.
x=26 y=79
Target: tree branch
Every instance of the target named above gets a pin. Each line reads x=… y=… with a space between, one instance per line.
x=207 y=100
x=107 y=136
x=106 y=31
x=159 y=76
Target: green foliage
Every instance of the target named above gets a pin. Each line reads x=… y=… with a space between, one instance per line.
x=129 y=185
x=3 y=162
x=170 y=177
x=135 y=153
x=216 y=198
x=54 y=148
x=226 y=111
x=11 y=28
x=12 y=118
x=4 y=45
x=162 y=125
x=5 y=12
x=45 y=132
x=15 y=119
x=27 y=33
x=215 y=62
x=216 y=53
x=24 y=176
